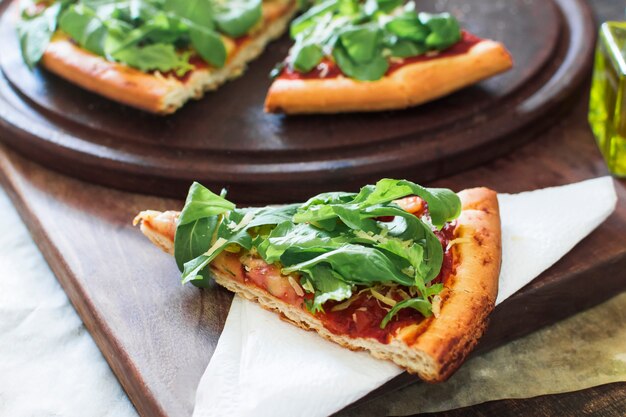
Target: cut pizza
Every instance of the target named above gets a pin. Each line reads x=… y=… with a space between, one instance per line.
x=349 y=55
x=408 y=273
x=378 y=55
x=151 y=54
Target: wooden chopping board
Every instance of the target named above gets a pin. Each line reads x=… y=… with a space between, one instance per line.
x=225 y=140
x=158 y=336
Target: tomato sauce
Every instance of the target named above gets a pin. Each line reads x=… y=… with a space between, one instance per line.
x=466 y=43
x=362 y=317
x=328 y=69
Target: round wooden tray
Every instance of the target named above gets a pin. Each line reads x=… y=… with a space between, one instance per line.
x=226 y=140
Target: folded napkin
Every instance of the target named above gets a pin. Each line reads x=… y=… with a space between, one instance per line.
x=265 y=367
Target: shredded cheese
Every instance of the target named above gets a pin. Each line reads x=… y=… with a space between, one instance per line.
x=296 y=287
x=403 y=294
x=344 y=305
x=218 y=244
x=436 y=305
x=247 y=218
x=382 y=298
x=457 y=241
x=308 y=286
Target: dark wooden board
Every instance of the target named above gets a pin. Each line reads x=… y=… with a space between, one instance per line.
x=158 y=336
x=226 y=139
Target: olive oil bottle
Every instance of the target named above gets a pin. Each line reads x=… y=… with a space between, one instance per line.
x=607 y=107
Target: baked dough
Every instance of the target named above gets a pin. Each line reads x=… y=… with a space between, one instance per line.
x=433 y=348
x=155 y=92
x=408 y=86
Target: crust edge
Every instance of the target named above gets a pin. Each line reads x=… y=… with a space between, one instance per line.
x=409 y=86
x=154 y=93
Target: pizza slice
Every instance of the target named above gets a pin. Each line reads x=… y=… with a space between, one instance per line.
x=352 y=55
x=408 y=273
x=151 y=54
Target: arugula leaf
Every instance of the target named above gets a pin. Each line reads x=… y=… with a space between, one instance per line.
x=308 y=19
x=402 y=48
x=231 y=227
x=334 y=241
x=201 y=202
x=361 y=43
x=144 y=34
x=293 y=243
x=236 y=17
x=36 y=31
x=197 y=12
x=193 y=239
x=408 y=26
x=389 y=6
x=443 y=204
x=209 y=45
x=370 y=71
x=328 y=286
x=445 y=30
x=360 y=36
x=158 y=56
x=357 y=264
x=83 y=25
x=226 y=234
x=306 y=57
x=419 y=304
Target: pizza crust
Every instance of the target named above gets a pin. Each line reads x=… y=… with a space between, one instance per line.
x=433 y=348
x=408 y=86
x=471 y=292
x=155 y=92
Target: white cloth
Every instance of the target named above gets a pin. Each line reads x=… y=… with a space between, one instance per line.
x=265 y=367
x=49 y=364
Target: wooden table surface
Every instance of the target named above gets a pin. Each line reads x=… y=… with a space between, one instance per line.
x=566 y=153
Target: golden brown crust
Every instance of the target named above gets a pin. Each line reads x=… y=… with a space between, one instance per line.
x=154 y=92
x=408 y=86
x=118 y=82
x=433 y=348
x=471 y=292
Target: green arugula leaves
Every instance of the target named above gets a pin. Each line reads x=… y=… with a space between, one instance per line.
x=145 y=34
x=236 y=17
x=361 y=36
x=35 y=29
x=83 y=25
x=334 y=242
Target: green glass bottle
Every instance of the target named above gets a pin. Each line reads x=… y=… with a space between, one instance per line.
x=607 y=106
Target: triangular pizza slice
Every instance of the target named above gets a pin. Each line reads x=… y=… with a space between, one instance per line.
x=354 y=56
x=151 y=54
x=408 y=273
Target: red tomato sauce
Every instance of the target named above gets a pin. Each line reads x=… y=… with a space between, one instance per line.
x=363 y=316
x=328 y=69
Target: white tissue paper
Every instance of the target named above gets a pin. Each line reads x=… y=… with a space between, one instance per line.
x=263 y=366
x=49 y=364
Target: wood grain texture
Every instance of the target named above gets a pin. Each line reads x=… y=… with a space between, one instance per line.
x=158 y=336
x=227 y=140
